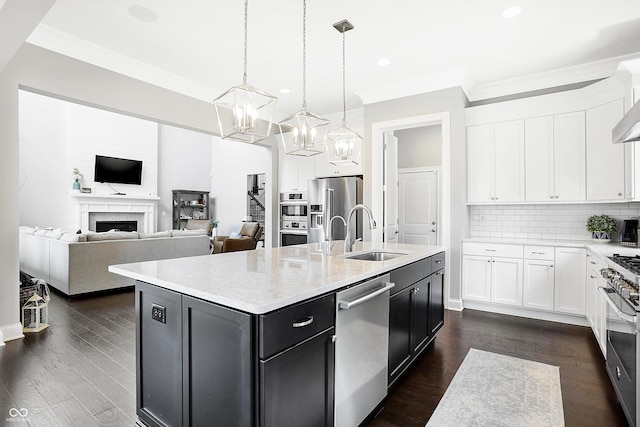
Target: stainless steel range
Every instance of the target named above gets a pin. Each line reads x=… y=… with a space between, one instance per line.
x=623 y=330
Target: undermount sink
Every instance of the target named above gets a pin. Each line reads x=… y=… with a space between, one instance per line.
x=374 y=255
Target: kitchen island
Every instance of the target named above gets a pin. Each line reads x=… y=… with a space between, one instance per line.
x=247 y=338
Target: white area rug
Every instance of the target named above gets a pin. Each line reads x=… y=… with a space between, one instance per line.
x=494 y=390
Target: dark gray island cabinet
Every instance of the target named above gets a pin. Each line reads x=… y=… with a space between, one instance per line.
x=202 y=364
x=212 y=354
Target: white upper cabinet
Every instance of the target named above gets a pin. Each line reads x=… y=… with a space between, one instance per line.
x=293 y=172
x=495 y=154
x=605 y=160
x=539 y=159
x=569 y=150
x=555 y=158
x=324 y=169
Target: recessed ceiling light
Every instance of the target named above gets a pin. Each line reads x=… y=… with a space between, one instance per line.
x=383 y=62
x=511 y=12
x=285 y=90
x=143 y=13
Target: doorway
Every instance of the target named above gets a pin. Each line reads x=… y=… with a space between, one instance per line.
x=412 y=160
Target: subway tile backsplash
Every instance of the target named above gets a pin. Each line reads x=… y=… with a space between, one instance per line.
x=554 y=222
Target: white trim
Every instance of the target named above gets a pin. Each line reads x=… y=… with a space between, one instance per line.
x=377 y=173
x=454 y=304
x=10 y=332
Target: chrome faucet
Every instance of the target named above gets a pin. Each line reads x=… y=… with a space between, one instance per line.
x=330 y=240
x=348 y=244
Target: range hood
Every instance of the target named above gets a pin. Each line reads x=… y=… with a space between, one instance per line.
x=628 y=129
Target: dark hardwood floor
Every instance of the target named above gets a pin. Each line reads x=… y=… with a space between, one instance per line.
x=81 y=370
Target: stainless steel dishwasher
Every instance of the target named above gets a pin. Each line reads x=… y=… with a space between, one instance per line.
x=362 y=345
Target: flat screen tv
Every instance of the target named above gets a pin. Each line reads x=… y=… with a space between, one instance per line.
x=118 y=171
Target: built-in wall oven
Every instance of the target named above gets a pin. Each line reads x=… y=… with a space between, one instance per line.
x=293 y=218
x=623 y=332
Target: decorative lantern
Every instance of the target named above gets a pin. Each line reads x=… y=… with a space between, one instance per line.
x=35 y=314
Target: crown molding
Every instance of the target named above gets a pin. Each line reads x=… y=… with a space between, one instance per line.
x=74 y=47
x=424 y=84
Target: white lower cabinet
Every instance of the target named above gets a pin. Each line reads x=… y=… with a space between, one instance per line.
x=534 y=277
x=506 y=281
x=476 y=276
x=569 y=295
x=596 y=305
x=492 y=273
x=538 y=284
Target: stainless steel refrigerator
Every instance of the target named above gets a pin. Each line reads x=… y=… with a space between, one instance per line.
x=328 y=197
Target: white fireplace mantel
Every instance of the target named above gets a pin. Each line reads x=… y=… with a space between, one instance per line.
x=110 y=203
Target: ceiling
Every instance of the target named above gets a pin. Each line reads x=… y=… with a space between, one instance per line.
x=195 y=46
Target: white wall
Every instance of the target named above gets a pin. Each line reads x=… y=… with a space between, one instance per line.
x=419 y=147
x=184 y=163
x=57 y=136
x=232 y=162
x=45 y=179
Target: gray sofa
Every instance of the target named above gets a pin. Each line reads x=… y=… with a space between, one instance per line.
x=77 y=263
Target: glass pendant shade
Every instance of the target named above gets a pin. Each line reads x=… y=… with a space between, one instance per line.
x=245 y=113
x=304 y=134
x=344 y=146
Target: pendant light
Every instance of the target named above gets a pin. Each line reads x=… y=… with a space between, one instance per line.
x=245 y=113
x=304 y=133
x=344 y=145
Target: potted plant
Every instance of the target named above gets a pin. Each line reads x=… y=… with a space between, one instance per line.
x=602 y=227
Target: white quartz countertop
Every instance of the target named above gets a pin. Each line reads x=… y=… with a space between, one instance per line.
x=264 y=280
x=604 y=248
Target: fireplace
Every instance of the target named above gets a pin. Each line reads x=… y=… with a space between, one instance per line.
x=102 y=226
x=102 y=207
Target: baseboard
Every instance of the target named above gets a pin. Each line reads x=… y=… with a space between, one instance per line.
x=10 y=332
x=454 y=304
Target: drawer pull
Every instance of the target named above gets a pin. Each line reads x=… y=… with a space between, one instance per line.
x=491 y=250
x=307 y=322
x=438 y=261
x=538 y=253
x=592 y=262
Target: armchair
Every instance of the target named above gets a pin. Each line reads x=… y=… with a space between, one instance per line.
x=250 y=233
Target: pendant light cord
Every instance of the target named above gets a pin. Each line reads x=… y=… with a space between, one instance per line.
x=304 y=54
x=246 y=18
x=344 y=66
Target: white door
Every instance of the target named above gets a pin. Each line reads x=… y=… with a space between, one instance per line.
x=570 y=277
x=538 y=141
x=509 y=161
x=479 y=163
x=418 y=207
x=391 y=188
x=569 y=156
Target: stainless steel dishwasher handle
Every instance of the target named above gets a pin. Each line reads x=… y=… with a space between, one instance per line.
x=304 y=323
x=346 y=305
x=623 y=316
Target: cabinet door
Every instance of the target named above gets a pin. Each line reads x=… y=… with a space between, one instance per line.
x=600 y=316
x=158 y=350
x=570 y=279
x=436 y=302
x=217 y=372
x=297 y=385
x=569 y=156
x=538 y=284
x=506 y=281
x=480 y=163
x=476 y=278
x=287 y=171
x=605 y=161
x=399 y=332
x=420 y=324
x=323 y=169
x=509 y=161
x=538 y=142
